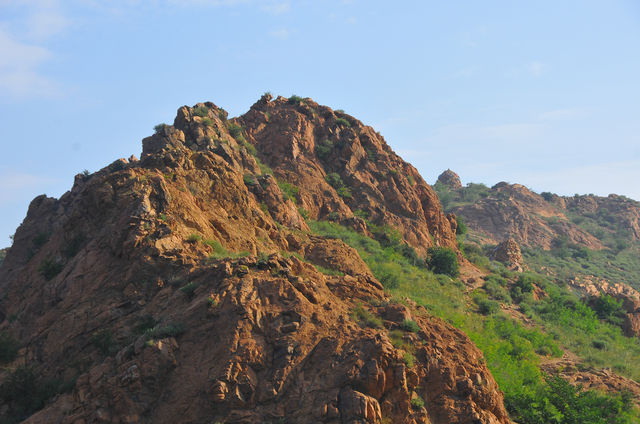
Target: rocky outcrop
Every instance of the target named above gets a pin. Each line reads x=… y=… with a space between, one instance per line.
x=508 y=252
x=630 y=299
x=613 y=209
x=450 y=179
x=512 y=210
x=185 y=286
x=322 y=151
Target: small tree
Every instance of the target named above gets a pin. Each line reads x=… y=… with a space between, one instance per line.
x=461 y=228
x=443 y=260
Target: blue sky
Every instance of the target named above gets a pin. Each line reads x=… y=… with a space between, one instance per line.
x=543 y=93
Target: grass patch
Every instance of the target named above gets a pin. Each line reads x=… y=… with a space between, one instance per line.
x=365 y=318
x=189 y=289
x=289 y=190
x=162 y=332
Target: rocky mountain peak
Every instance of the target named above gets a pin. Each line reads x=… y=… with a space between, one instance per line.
x=450 y=179
x=187 y=286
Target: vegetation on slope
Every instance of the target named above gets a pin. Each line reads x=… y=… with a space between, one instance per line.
x=513 y=352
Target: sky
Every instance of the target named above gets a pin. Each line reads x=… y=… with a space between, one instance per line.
x=544 y=93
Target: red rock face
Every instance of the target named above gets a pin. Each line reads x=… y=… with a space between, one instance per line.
x=171 y=289
x=305 y=142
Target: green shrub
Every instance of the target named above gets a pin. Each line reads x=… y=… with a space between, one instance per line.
x=461 y=229
x=324 y=148
x=235 y=130
x=289 y=190
x=557 y=401
x=334 y=180
x=417 y=403
x=194 y=238
x=23 y=393
x=49 y=268
x=295 y=100
x=486 y=306
x=189 y=289
x=609 y=309
x=410 y=325
x=8 y=348
x=145 y=322
x=40 y=240
x=409 y=359
x=201 y=111
x=160 y=128
x=73 y=246
x=494 y=287
x=250 y=147
x=207 y=122
x=103 y=340
x=329 y=271
x=303 y=213
x=365 y=318
x=443 y=260
x=250 y=180
x=161 y=332
x=343 y=122
x=411 y=180
x=344 y=192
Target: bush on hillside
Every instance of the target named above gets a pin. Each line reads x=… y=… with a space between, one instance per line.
x=443 y=260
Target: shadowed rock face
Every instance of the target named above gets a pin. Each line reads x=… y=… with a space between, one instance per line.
x=132 y=284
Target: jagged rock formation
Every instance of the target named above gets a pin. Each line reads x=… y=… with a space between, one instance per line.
x=305 y=143
x=181 y=287
x=450 y=179
x=508 y=252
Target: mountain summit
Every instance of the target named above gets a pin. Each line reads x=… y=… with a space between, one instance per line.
x=190 y=285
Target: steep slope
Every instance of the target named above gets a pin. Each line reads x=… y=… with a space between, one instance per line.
x=186 y=286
